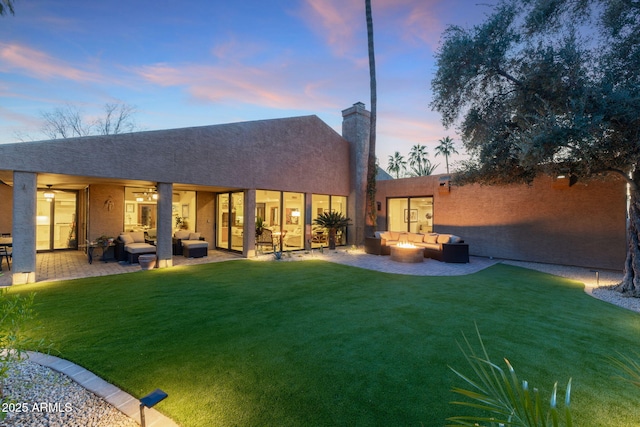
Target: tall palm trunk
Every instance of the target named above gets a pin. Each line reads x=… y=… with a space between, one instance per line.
x=371 y=213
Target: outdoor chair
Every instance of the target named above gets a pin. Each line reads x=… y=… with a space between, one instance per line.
x=265 y=239
x=5 y=253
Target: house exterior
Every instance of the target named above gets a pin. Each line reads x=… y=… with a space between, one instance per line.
x=217 y=180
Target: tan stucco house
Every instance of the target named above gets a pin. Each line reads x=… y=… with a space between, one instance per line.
x=217 y=180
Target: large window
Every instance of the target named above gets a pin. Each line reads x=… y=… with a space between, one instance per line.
x=321 y=203
x=293 y=225
x=141 y=210
x=269 y=210
x=413 y=214
x=284 y=214
x=183 y=210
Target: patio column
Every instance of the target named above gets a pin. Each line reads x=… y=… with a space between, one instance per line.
x=24 y=227
x=249 y=240
x=164 y=245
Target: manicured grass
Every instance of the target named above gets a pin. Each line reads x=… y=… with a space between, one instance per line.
x=317 y=344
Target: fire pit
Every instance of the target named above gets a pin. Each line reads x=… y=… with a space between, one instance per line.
x=406 y=252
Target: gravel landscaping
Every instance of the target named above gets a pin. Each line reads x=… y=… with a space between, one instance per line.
x=42 y=397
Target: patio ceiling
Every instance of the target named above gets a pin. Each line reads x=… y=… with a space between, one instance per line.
x=72 y=182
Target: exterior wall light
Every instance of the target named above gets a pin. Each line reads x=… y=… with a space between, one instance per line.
x=49 y=195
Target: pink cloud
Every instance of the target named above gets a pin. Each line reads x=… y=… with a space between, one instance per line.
x=336 y=21
x=271 y=85
x=39 y=64
x=423 y=24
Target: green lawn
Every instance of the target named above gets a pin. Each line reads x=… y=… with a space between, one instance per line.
x=310 y=343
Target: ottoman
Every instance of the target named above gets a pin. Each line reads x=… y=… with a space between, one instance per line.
x=195 y=248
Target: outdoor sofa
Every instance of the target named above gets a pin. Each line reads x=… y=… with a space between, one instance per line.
x=129 y=246
x=441 y=247
x=189 y=244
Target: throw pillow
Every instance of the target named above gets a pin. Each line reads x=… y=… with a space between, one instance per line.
x=126 y=238
x=194 y=236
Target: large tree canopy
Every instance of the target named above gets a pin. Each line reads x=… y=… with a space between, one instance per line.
x=548 y=86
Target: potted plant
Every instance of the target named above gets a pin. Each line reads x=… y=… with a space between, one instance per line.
x=332 y=221
x=104 y=240
x=259 y=226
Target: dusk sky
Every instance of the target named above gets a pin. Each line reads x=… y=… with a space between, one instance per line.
x=205 y=62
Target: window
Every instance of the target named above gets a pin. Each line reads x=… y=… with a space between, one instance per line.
x=413 y=214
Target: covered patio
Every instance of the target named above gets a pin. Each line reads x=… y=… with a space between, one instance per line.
x=63 y=265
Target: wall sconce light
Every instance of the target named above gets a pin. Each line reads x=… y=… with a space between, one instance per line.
x=295 y=213
x=49 y=195
x=149 y=401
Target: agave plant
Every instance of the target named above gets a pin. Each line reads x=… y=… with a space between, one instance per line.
x=503 y=398
x=332 y=221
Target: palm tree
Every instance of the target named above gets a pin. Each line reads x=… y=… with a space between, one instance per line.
x=6 y=5
x=446 y=148
x=371 y=213
x=397 y=163
x=417 y=156
x=419 y=161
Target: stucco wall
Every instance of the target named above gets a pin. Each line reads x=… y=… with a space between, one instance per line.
x=300 y=154
x=205 y=217
x=581 y=225
x=106 y=210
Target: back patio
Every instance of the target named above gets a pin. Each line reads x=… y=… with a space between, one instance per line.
x=62 y=265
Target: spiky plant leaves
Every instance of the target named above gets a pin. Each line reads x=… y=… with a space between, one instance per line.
x=502 y=396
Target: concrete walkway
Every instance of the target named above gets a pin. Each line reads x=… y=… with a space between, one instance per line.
x=63 y=265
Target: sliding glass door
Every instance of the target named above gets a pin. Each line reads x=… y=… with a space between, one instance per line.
x=56 y=220
x=230 y=221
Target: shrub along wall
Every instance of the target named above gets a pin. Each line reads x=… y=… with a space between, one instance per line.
x=548 y=221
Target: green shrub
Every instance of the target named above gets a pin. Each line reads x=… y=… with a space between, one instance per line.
x=15 y=312
x=504 y=399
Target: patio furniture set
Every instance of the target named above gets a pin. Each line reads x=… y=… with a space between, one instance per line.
x=413 y=247
x=131 y=246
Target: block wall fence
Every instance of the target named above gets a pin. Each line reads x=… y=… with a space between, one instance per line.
x=547 y=221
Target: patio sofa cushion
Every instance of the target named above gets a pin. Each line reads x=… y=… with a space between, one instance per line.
x=130 y=245
x=126 y=238
x=140 y=248
x=182 y=234
x=431 y=238
x=137 y=236
x=415 y=238
x=195 y=248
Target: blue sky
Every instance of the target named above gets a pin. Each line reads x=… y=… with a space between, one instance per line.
x=205 y=62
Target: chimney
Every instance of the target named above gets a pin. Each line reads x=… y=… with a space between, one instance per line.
x=356 y=126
